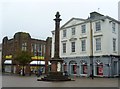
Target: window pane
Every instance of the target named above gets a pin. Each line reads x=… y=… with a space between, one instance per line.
x=64 y=33
x=24 y=46
x=98 y=26
x=73 y=31
x=98 y=44
x=73 y=46
x=83 y=28
x=83 y=42
x=113 y=27
x=114 y=44
x=64 y=47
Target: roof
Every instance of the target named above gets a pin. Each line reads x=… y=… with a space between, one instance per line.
x=94 y=17
x=79 y=19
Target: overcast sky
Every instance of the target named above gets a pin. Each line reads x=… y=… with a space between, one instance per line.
x=36 y=16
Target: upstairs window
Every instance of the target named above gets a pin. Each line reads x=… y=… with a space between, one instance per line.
x=73 y=31
x=64 y=47
x=24 y=46
x=98 y=44
x=98 y=26
x=113 y=27
x=83 y=27
x=64 y=33
x=73 y=46
x=114 y=44
x=83 y=44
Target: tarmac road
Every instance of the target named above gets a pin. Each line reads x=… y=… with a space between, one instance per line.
x=31 y=81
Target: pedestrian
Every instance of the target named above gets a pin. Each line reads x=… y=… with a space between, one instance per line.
x=21 y=72
x=66 y=73
x=39 y=72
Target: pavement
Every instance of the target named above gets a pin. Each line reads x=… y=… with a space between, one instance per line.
x=9 y=80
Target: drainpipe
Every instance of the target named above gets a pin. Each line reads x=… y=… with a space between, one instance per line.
x=91 y=49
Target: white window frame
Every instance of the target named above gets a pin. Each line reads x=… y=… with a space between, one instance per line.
x=24 y=46
x=83 y=45
x=98 y=44
x=64 y=33
x=73 y=31
x=73 y=47
x=114 y=44
x=64 y=47
x=97 y=26
x=83 y=29
x=113 y=27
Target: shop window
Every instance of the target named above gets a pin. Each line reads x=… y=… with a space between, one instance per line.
x=84 y=69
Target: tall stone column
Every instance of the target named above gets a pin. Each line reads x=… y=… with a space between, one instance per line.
x=56 y=73
x=57 y=28
x=56 y=61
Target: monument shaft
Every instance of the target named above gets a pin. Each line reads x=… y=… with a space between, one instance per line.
x=57 y=28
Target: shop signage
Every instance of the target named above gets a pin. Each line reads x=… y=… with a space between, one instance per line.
x=8 y=57
x=38 y=58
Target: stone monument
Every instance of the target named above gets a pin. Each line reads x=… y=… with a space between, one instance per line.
x=56 y=73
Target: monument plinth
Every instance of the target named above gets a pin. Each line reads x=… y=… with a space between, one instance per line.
x=56 y=73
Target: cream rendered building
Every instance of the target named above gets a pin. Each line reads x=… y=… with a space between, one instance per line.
x=84 y=42
x=0 y=66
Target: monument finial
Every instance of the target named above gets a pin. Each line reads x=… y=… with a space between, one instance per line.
x=57 y=19
x=57 y=15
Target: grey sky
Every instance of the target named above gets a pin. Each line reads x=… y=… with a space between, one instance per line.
x=36 y=16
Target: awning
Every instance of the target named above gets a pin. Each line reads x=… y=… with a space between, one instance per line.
x=8 y=62
x=38 y=63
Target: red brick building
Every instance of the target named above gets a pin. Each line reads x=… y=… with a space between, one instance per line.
x=41 y=50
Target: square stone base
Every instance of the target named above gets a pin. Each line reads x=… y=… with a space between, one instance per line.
x=56 y=76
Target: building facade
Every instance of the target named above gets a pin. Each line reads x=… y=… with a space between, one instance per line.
x=23 y=42
x=90 y=44
x=0 y=56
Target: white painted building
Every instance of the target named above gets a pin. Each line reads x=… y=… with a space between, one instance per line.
x=96 y=36
x=0 y=54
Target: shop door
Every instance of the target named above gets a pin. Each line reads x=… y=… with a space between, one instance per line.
x=100 y=70
x=73 y=69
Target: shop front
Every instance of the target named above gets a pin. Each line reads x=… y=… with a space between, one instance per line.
x=99 y=69
x=73 y=68
x=83 y=68
x=8 y=66
x=37 y=65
